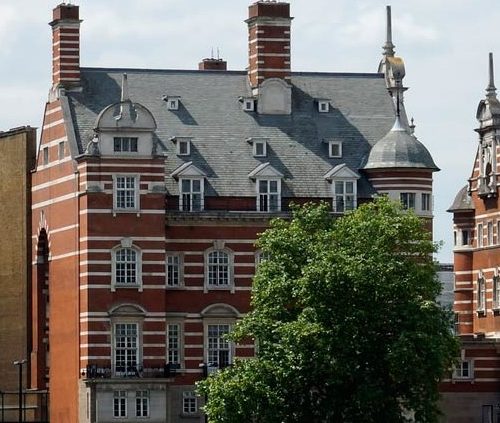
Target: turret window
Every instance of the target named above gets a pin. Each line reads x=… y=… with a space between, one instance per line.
x=426 y=202
x=480 y=235
x=481 y=295
x=407 y=200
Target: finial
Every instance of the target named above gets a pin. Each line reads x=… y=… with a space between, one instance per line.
x=125 y=95
x=412 y=126
x=491 y=90
x=388 y=46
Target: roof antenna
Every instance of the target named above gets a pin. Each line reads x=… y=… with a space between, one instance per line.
x=212 y=53
x=218 y=54
x=389 y=46
x=491 y=90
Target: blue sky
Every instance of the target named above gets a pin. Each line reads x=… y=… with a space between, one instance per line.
x=444 y=43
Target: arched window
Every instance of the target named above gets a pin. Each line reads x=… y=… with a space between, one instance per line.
x=219 y=263
x=126 y=263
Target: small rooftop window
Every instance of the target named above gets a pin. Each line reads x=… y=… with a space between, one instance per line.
x=183 y=145
x=172 y=102
x=259 y=146
x=247 y=104
x=323 y=105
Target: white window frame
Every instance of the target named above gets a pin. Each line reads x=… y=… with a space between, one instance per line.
x=465 y=237
x=124 y=246
x=222 y=345
x=255 y=145
x=142 y=403
x=189 y=403
x=120 y=402
x=191 y=193
x=260 y=256
x=344 y=195
x=179 y=147
x=174 y=343
x=464 y=370
x=405 y=197
x=331 y=145
x=129 y=351
x=481 y=294
x=498 y=232
x=134 y=190
x=480 y=235
x=426 y=202
x=172 y=102
x=496 y=291
x=323 y=106
x=172 y=261
x=248 y=104
x=264 y=198
x=209 y=285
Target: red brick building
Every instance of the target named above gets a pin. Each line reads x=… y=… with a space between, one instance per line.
x=473 y=393
x=151 y=187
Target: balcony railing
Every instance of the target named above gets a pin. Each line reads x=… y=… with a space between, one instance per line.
x=93 y=371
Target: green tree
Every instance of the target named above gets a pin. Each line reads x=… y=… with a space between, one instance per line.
x=346 y=320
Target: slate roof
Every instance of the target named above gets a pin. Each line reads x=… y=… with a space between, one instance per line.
x=361 y=114
x=462 y=201
x=399 y=149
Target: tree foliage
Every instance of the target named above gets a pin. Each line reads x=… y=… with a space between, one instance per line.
x=346 y=320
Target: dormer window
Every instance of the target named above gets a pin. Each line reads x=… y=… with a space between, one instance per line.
x=191 y=187
x=335 y=149
x=125 y=144
x=323 y=105
x=172 y=102
x=344 y=188
x=268 y=187
x=183 y=146
x=259 y=146
x=248 y=104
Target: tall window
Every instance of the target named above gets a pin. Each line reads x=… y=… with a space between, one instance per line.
x=496 y=292
x=45 y=156
x=481 y=294
x=269 y=195
x=126 y=348
x=60 y=150
x=191 y=198
x=407 y=200
x=189 y=402
x=126 y=264
x=126 y=192
x=219 y=349
x=344 y=196
x=173 y=270
x=426 y=202
x=142 y=404
x=480 y=235
x=489 y=229
x=125 y=144
x=465 y=237
x=174 y=341
x=218 y=269
x=120 y=404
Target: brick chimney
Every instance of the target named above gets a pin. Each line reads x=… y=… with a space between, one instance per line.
x=212 y=64
x=65 y=45
x=268 y=41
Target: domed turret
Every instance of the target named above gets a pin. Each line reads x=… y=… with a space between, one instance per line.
x=399 y=149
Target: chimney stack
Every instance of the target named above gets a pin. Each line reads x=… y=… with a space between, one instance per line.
x=65 y=45
x=268 y=41
x=212 y=64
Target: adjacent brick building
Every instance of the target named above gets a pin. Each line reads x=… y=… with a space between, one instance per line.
x=473 y=393
x=151 y=187
x=17 y=154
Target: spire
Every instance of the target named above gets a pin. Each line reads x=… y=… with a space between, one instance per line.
x=125 y=95
x=388 y=46
x=491 y=91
